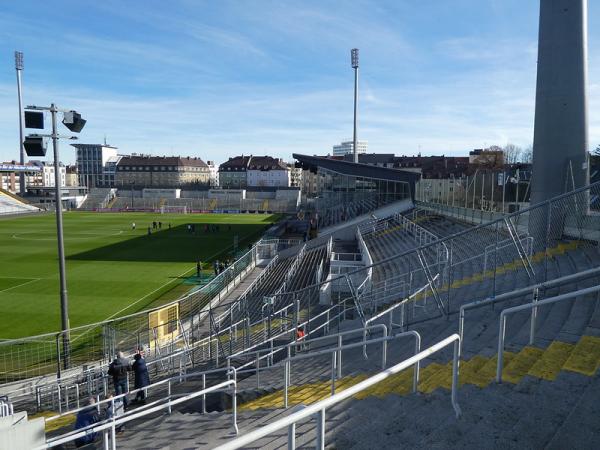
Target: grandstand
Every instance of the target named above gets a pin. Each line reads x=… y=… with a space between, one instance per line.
x=11 y=204
x=405 y=284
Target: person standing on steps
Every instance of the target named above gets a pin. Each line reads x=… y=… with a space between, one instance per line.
x=118 y=370
x=142 y=377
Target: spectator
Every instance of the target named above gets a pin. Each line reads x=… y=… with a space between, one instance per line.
x=118 y=370
x=142 y=377
x=114 y=409
x=133 y=226
x=85 y=418
x=198 y=269
x=216 y=266
x=300 y=335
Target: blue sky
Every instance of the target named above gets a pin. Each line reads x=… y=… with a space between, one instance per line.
x=219 y=78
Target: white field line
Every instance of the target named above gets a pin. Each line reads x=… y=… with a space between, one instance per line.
x=160 y=287
x=19 y=285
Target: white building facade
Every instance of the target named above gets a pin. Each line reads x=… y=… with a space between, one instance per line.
x=268 y=171
x=96 y=164
x=347 y=147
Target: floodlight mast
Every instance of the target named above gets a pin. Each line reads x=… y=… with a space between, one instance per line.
x=19 y=68
x=64 y=300
x=354 y=58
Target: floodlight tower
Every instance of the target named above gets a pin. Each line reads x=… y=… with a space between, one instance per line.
x=560 y=141
x=19 y=68
x=354 y=59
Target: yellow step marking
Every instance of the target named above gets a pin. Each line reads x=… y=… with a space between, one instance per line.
x=467 y=370
x=435 y=381
x=552 y=361
x=486 y=374
x=585 y=357
x=514 y=371
x=426 y=373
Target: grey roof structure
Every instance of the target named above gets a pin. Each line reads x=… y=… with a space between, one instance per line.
x=356 y=169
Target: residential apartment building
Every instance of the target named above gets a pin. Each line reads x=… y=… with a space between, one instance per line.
x=161 y=171
x=254 y=171
x=45 y=177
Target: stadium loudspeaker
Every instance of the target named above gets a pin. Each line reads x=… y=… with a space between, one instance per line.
x=73 y=121
x=34 y=146
x=34 y=119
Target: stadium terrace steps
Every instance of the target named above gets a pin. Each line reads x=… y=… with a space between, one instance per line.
x=533 y=413
x=97 y=198
x=12 y=204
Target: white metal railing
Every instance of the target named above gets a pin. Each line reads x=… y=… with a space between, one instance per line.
x=399 y=304
x=336 y=352
x=269 y=353
x=318 y=409
x=6 y=407
x=526 y=241
x=533 y=306
x=110 y=425
x=533 y=289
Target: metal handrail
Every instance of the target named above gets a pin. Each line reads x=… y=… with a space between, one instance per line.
x=309 y=342
x=533 y=306
x=113 y=423
x=519 y=292
x=318 y=409
x=400 y=303
x=178 y=378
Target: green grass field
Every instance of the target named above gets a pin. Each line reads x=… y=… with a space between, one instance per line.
x=112 y=270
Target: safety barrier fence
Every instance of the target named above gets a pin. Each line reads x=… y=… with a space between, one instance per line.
x=58 y=354
x=317 y=410
x=557 y=227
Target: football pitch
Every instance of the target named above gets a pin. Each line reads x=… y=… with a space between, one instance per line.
x=112 y=269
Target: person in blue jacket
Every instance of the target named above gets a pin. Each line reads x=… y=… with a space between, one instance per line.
x=142 y=377
x=85 y=418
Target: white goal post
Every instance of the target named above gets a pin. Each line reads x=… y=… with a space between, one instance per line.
x=167 y=209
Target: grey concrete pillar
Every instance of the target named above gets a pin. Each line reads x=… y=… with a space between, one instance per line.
x=561 y=127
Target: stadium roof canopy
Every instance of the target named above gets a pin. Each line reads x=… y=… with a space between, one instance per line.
x=356 y=169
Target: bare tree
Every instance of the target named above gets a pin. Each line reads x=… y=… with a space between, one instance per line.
x=527 y=155
x=596 y=152
x=512 y=153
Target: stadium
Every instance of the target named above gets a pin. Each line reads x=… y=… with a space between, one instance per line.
x=364 y=313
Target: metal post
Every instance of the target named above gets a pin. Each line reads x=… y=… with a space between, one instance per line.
x=354 y=54
x=492 y=193
x=64 y=301
x=320 y=418
x=19 y=68
x=286 y=382
x=455 y=374
x=333 y=360
x=536 y=292
x=501 y=332
x=292 y=437
x=503 y=189
x=339 y=357
x=482 y=189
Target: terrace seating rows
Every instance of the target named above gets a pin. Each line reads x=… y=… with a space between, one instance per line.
x=554 y=371
x=11 y=205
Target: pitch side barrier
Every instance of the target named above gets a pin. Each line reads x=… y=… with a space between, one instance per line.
x=557 y=226
x=481 y=261
x=95 y=344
